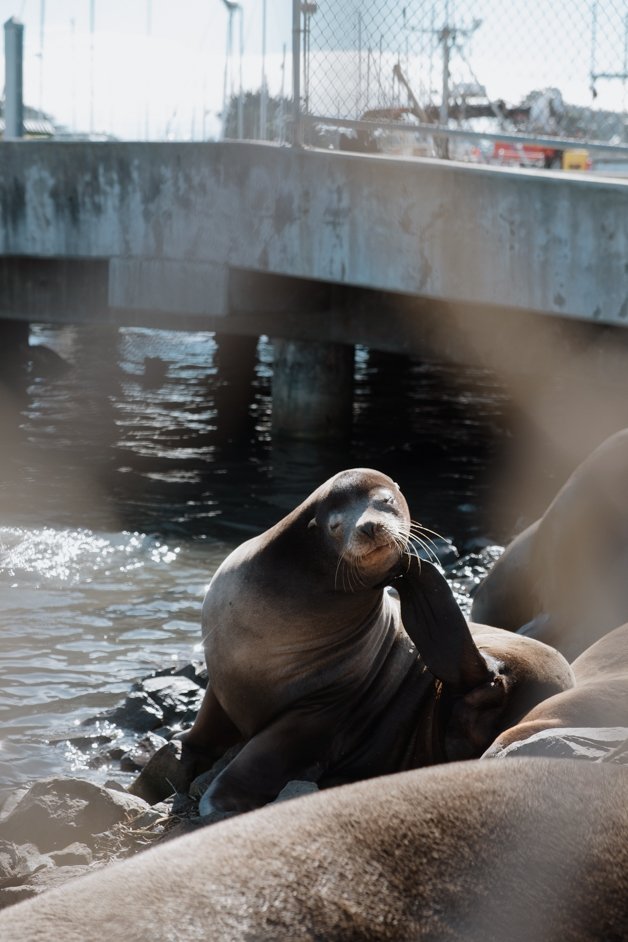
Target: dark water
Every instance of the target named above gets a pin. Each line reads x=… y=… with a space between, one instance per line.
x=125 y=481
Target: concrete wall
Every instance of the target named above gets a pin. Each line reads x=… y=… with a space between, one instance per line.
x=174 y=219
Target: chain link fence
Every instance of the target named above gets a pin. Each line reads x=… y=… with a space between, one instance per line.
x=530 y=68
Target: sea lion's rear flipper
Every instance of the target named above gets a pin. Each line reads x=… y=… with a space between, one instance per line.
x=290 y=747
x=434 y=622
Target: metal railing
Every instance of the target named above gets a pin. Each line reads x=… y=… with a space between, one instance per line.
x=508 y=81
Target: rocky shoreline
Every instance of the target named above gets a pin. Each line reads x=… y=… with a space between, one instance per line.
x=59 y=828
x=62 y=827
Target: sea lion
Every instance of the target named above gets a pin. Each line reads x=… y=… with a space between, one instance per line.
x=481 y=851
x=563 y=579
x=326 y=675
x=598 y=699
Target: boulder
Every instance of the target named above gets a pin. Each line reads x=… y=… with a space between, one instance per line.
x=56 y=812
x=164 y=775
x=138 y=756
x=138 y=712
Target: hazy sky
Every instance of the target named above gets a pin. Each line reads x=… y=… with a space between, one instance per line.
x=155 y=68
x=157 y=65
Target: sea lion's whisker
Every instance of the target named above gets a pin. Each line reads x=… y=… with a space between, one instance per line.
x=424 y=529
x=419 y=533
x=337 y=573
x=431 y=555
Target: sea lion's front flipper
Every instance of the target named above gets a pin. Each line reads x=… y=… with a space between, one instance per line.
x=434 y=622
x=293 y=746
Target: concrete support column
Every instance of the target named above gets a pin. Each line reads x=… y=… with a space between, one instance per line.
x=13 y=334
x=13 y=352
x=235 y=360
x=312 y=391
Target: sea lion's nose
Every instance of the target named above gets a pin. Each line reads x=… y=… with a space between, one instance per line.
x=368 y=528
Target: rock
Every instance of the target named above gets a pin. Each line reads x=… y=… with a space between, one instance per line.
x=38 y=883
x=19 y=862
x=11 y=802
x=295 y=789
x=57 y=812
x=141 y=753
x=86 y=742
x=153 y=815
x=179 y=698
x=44 y=361
x=15 y=894
x=194 y=670
x=586 y=743
x=619 y=754
x=183 y=805
x=75 y=854
x=163 y=775
x=138 y=712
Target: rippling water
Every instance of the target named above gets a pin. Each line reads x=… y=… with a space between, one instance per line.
x=126 y=478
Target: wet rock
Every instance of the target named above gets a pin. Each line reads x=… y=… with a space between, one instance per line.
x=586 y=743
x=163 y=775
x=57 y=812
x=296 y=789
x=86 y=741
x=193 y=670
x=139 y=712
x=179 y=698
x=445 y=549
x=138 y=756
x=46 y=362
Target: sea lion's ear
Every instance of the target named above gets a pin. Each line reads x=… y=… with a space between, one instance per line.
x=435 y=624
x=312 y=523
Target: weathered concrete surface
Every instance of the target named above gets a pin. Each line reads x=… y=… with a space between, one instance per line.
x=555 y=243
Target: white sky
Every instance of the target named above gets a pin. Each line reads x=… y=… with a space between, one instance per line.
x=167 y=81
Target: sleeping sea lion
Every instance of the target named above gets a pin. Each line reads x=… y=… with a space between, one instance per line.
x=528 y=851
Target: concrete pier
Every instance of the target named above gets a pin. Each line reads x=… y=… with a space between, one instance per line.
x=312 y=393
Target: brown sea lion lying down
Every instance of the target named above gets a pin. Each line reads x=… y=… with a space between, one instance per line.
x=528 y=850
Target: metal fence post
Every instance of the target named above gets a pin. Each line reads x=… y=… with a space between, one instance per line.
x=297 y=124
x=13 y=104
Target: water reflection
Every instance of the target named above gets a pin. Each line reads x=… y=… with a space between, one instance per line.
x=126 y=479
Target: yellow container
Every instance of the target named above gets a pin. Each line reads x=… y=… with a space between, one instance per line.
x=576 y=159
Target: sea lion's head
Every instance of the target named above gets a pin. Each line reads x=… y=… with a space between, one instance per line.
x=362 y=519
